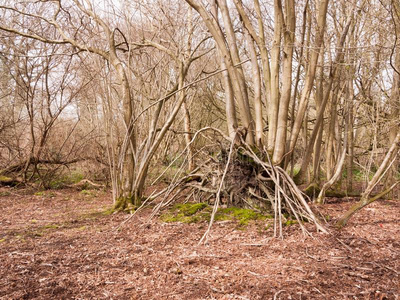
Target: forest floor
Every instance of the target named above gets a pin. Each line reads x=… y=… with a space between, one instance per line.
x=60 y=245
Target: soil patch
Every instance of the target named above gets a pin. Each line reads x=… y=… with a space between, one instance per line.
x=61 y=245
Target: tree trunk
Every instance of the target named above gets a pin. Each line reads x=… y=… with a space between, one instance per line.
x=320 y=113
x=257 y=90
x=305 y=43
x=329 y=151
x=282 y=122
x=259 y=39
x=186 y=121
x=234 y=75
x=234 y=52
x=319 y=93
x=273 y=105
x=350 y=136
x=394 y=117
x=230 y=109
x=315 y=51
x=129 y=148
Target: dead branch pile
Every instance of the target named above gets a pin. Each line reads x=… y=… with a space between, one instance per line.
x=243 y=176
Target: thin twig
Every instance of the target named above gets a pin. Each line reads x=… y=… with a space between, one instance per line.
x=217 y=198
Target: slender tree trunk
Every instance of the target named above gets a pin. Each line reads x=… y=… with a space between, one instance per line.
x=332 y=120
x=350 y=136
x=138 y=186
x=336 y=176
x=320 y=113
x=187 y=122
x=232 y=45
x=229 y=102
x=395 y=111
x=263 y=52
x=315 y=51
x=259 y=39
x=188 y=136
x=128 y=167
x=341 y=161
x=234 y=75
x=226 y=81
x=319 y=93
x=273 y=105
x=305 y=45
x=257 y=90
x=282 y=122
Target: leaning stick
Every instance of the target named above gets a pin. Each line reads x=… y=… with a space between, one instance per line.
x=218 y=196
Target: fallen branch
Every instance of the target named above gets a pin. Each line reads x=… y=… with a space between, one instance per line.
x=386 y=164
x=335 y=177
x=362 y=203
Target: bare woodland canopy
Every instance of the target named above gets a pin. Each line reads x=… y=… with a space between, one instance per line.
x=304 y=91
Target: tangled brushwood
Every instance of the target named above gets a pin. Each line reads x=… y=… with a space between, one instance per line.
x=243 y=176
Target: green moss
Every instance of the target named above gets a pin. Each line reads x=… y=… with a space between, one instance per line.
x=189 y=209
x=127 y=204
x=96 y=213
x=108 y=211
x=88 y=193
x=241 y=215
x=75 y=177
x=290 y=222
x=36 y=231
x=169 y=218
x=296 y=170
x=180 y=217
x=51 y=226
x=61 y=180
x=200 y=212
x=5 y=179
x=55 y=184
x=40 y=231
x=45 y=194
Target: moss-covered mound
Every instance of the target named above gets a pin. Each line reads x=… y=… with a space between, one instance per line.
x=201 y=212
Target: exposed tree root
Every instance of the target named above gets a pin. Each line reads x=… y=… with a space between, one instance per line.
x=245 y=177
